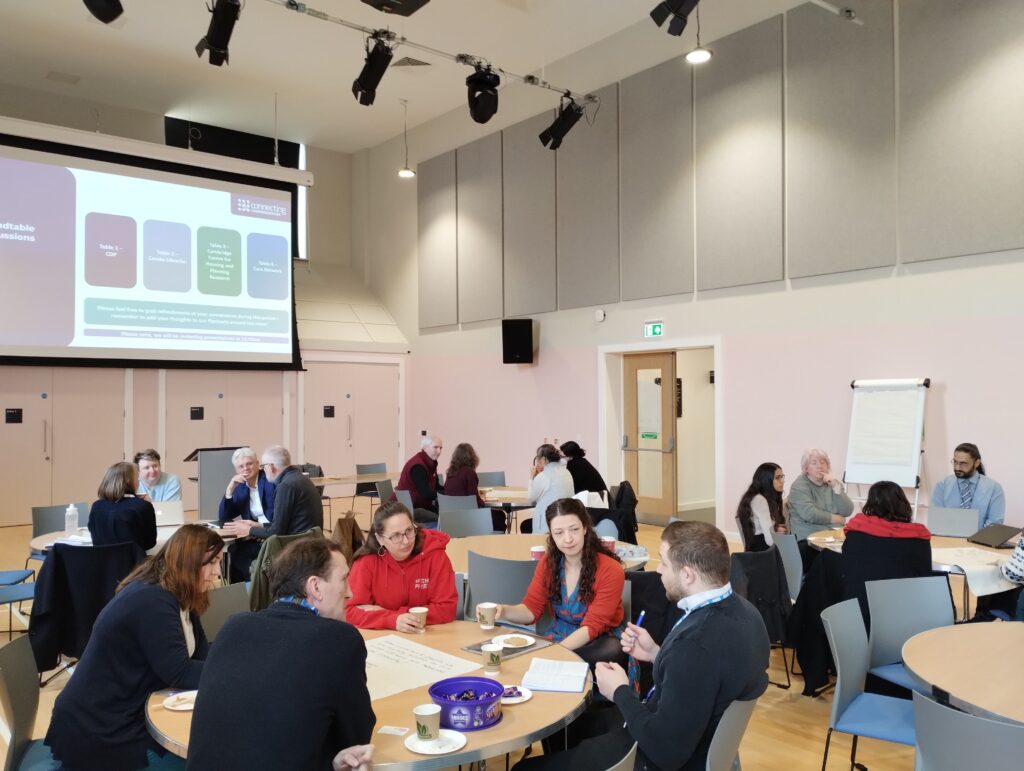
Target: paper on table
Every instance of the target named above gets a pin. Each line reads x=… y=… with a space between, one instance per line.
x=980 y=566
x=550 y=675
x=394 y=664
x=76 y=540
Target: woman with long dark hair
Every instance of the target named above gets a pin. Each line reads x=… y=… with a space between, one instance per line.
x=584 y=475
x=461 y=478
x=147 y=638
x=761 y=512
x=580 y=582
x=400 y=566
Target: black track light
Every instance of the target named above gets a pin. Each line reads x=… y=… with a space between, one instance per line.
x=104 y=10
x=569 y=114
x=679 y=10
x=483 y=93
x=224 y=14
x=364 y=88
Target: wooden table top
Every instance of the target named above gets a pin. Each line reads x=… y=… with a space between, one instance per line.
x=977 y=664
x=506 y=496
x=354 y=479
x=521 y=724
x=833 y=540
x=163 y=532
x=508 y=546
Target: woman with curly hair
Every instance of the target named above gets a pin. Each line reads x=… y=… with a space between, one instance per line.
x=580 y=583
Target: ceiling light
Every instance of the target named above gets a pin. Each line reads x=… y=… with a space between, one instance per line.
x=405 y=172
x=700 y=54
x=223 y=15
x=678 y=10
x=483 y=93
x=104 y=10
x=364 y=88
x=569 y=114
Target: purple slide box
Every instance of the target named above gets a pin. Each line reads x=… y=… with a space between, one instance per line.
x=166 y=256
x=267 y=264
x=111 y=257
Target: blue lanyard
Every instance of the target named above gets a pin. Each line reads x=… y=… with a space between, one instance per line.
x=300 y=601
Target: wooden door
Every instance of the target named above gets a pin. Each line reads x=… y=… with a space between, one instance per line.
x=194 y=416
x=327 y=419
x=26 y=446
x=375 y=415
x=255 y=409
x=649 y=435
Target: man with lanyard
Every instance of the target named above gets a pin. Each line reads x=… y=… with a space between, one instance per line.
x=715 y=654
x=286 y=687
x=970 y=488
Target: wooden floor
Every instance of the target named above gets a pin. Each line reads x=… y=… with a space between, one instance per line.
x=787 y=730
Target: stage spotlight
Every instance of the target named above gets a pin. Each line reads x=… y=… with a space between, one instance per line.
x=364 y=88
x=569 y=114
x=483 y=93
x=104 y=10
x=223 y=15
x=678 y=10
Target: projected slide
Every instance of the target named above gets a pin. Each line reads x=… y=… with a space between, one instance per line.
x=108 y=261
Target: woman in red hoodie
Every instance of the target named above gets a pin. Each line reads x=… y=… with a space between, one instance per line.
x=399 y=567
x=883 y=543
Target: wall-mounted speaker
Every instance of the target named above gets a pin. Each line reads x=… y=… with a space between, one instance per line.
x=517 y=341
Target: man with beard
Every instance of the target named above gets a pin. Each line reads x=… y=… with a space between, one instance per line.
x=970 y=488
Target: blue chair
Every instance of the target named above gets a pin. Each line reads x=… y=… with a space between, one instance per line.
x=19 y=697
x=853 y=711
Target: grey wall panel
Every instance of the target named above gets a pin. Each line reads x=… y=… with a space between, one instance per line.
x=739 y=159
x=437 y=239
x=587 y=169
x=478 y=193
x=656 y=186
x=528 y=181
x=840 y=140
x=961 y=108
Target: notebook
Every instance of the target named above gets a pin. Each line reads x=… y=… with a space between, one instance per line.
x=551 y=675
x=957 y=523
x=994 y=536
x=169 y=513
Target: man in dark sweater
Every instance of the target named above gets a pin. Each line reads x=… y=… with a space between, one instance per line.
x=716 y=654
x=419 y=477
x=273 y=662
x=297 y=504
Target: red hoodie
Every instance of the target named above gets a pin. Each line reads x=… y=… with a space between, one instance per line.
x=884 y=528
x=424 y=580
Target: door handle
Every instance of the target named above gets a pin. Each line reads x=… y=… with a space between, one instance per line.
x=349 y=424
x=221 y=430
x=46 y=434
x=667 y=451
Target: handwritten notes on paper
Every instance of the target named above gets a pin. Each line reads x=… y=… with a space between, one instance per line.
x=395 y=664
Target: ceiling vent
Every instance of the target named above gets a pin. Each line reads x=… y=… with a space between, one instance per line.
x=408 y=61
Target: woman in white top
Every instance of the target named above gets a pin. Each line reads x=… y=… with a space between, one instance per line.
x=761 y=512
x=550 y=482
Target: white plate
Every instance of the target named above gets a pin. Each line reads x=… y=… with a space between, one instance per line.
x=527 y=695
x=181 y=702
x=502 y=639
x=447 y=741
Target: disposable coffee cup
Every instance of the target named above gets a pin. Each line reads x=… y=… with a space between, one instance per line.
x=428 y=722
x=485 y=612
x=421 y=617
x=491 y=653
x=536 y=552
x=608 y=542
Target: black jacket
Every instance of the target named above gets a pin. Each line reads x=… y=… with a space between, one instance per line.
x=129 y=519
x=874 y=558
x=297 y=506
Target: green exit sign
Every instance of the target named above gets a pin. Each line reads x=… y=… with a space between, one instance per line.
x=653 y=329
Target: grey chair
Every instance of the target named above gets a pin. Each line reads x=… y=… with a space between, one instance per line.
x=791 y=561
x=405 y=498
x=50 y=519
x=385 y=490
x=368 y=489
x=901 y=608
x=460 y=591
x=224 y=601
x=951 y=740
x=607 y=529
x=497 y=580
x=627 y=763
x=455 y=502
x=491 y=478
x=462 y=523
x=723 y=754
x=313 y=470
x=855 y=712
x=19 y=698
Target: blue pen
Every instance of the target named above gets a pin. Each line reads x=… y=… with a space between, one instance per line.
x=640 y=618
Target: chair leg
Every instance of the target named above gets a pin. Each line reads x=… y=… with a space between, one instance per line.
x=785 y=666
x=824 y=760
x=853 y=753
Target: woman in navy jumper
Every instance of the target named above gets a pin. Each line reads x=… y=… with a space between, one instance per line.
x=147 y=638
x=118 y=516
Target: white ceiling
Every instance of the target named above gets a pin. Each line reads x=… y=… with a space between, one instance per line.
x=146 y=59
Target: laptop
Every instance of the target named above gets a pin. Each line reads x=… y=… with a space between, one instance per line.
x=169 y=513
x=995 y=536
x=957 y=523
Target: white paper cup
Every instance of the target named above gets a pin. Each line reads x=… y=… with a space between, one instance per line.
x=421 y=617
x=485 y=614
x=428 y=722
x=491 y=653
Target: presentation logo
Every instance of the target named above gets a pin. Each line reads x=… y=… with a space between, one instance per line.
x=264 y=208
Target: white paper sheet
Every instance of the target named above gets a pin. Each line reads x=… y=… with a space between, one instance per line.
x=980 y=566
x=395 y=664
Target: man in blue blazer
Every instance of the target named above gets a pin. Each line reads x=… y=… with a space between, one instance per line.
x=970 y=488
x=249 y=496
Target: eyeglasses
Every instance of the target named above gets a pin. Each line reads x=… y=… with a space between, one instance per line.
x=962 y=463
x=406 y=535
x=265 y=465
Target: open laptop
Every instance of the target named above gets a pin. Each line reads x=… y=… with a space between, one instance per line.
x=957 y=523
x=995 y=536
x=169 y=513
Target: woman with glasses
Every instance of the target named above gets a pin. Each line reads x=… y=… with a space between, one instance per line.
x=761 y=511
x=401 y=566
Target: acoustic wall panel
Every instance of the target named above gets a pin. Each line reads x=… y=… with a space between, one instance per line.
x=739 y=159
x=656 y=186
x=840 y=140
x=437 y=265
x=528 y=183
x=587 y=170
x=961 y=121
x=478 y=194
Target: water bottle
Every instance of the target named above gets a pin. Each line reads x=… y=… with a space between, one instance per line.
x=71 y=520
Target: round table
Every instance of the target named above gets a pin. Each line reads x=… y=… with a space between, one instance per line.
x=976 y=664
x=509 y=499
x=163 y=532
x=511 y=546
x=521 y=724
